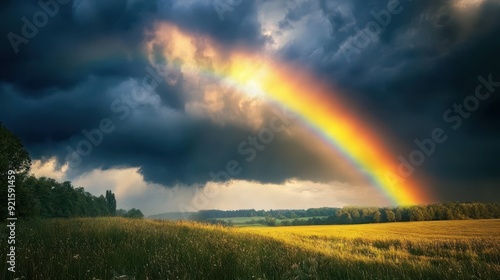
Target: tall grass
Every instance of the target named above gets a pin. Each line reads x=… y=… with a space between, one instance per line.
x=110 y=248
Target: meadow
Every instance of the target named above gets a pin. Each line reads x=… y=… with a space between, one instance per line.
x=120 y=248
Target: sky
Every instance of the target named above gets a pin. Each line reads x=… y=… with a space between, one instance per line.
x=169 y=103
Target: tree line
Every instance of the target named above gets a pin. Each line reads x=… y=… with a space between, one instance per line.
x=433 y=212
x=363 y=215
x=278 y=214
x=45 y=197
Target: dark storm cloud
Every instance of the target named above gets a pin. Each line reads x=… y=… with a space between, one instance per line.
x=427 y=58
x=51 y=55
x=65 y=80
x=237 y=24
x=169 y=147
x=420 y=57
x=296 y=13
x=61 y=51
x=57 y=116
x=196 y=153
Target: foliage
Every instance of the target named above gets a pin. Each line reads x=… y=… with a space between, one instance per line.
x=13 y=157
x=134 y=213
x=51 y=199
x=173 y=216
x=44 y=197
x=277 y=214
x=111 y=202
x=363 y=215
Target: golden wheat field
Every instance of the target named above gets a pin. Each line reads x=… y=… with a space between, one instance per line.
x=119 y=248
x=450 y=246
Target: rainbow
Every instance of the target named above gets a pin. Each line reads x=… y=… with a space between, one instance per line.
x=318 y=107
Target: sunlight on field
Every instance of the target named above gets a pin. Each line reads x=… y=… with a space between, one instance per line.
x=106 y=248
x=452 y=244
x=404 y=231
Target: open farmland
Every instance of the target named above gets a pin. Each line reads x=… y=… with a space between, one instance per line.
x=108 y=248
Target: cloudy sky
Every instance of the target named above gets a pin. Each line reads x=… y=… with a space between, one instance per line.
x=123 y=95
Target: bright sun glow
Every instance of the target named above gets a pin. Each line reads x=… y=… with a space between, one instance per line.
x=467 y=4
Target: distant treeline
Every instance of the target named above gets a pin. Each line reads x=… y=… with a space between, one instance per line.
x=46 y=198
x=362 y=215
x=278 y=214
x=173 y=216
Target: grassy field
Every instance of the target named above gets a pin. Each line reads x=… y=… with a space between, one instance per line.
x=109 y=248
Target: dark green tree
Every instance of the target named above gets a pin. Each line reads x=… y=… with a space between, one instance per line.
x=346 y=218
x=14 y=159
x=121 y=212
x=390 y=216
x=377 y=216
x=270 y=221
x=111 y=201
x=416 y=214
x=135 y=213
x=102 y=206
x=13 y=155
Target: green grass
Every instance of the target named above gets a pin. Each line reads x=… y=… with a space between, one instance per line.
x=105 y=248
